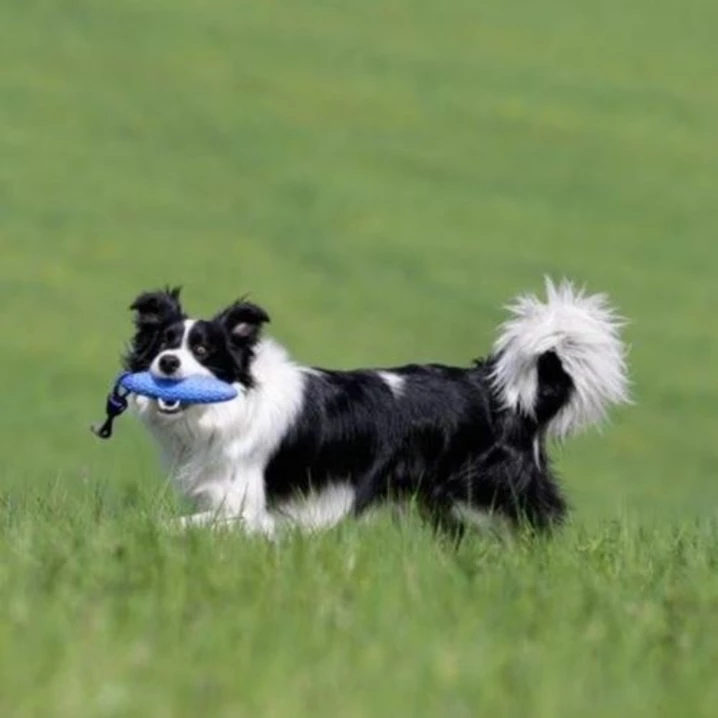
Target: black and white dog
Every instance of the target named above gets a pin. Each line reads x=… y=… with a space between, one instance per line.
x=309 y=446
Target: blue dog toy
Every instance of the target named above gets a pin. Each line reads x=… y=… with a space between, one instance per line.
x=191 y=390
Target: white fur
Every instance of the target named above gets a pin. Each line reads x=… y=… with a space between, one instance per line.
x=393 y=381
x=216 y=454
x=584 y=332
x=320 y=509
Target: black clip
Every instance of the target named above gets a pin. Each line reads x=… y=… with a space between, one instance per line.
x=116 y=405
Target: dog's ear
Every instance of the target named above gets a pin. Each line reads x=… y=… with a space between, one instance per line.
x=158 y=308
x=243 y=322
x=153 y=312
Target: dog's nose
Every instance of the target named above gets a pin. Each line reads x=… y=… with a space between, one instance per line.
x=169 y=364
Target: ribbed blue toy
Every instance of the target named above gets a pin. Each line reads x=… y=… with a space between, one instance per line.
x=191 y=390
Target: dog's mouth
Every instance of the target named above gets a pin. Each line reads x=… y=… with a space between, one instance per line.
x=169 y=408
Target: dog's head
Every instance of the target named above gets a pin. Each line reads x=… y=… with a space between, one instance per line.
x=170 y=344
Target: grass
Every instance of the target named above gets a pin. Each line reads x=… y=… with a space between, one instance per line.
x=110 y=615
x=382 y=176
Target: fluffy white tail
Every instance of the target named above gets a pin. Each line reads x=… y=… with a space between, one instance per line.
x=583 y=333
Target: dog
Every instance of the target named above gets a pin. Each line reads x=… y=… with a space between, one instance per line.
x=308 y=447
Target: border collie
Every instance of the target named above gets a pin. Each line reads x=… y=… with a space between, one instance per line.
x=308 y=446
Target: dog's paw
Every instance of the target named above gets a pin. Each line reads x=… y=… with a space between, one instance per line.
x=262 y=525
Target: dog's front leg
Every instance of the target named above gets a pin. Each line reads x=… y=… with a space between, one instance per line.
x=255 y=525
x=245 y=501
x=200 y=519
x=239 y=505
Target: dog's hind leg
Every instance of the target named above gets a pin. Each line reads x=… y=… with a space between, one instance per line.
x=503 y=488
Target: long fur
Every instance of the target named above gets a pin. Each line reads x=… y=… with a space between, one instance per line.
x=583 y=332
x=307 y=446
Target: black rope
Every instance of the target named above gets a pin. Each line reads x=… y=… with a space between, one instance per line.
x=116 y=405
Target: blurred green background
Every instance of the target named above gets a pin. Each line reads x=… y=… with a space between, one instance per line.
x=382 y=176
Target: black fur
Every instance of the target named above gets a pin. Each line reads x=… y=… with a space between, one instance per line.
x=155 y=312
x=443 y=440
x=239 y=326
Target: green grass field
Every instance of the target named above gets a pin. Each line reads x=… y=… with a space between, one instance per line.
x=383 y=176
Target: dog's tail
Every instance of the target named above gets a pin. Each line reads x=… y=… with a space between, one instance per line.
x=562 y=363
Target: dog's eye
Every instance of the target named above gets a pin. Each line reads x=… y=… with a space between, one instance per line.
x=201 y=351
